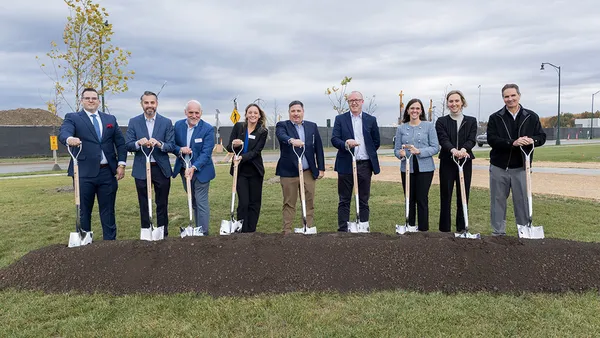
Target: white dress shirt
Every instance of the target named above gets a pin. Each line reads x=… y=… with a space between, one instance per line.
x=357 y=126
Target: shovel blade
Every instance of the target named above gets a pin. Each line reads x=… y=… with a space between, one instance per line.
x=187 y=231
x=229 y=227
x=197 y=231
x=306 y=230
x=466 y=234
x=158 y=233
x=358 y=227
x=152 y=234
x=530 y=232
x=76 y=239
x=402 y=229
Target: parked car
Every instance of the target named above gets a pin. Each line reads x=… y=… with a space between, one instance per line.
x=482 y=139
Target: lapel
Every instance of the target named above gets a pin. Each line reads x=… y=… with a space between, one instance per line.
x=196 y=132
x=365 y=120
x=86 y=120
x=103 y=125
x=348 y=118
x=156 y=124
x=294 y=131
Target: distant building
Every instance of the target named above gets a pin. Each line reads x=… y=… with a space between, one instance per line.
x=585 y=123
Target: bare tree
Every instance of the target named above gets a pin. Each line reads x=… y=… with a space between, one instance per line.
x=371 y=105
x=339 y=102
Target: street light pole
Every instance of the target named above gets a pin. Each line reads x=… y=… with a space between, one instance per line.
x=558 y=114
x=479 y=109
x=444 y=99
x=592 y=118
x=101 y=70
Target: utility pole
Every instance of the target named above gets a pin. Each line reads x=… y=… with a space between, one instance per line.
x=401 y=108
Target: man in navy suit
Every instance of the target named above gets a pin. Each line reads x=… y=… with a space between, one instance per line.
x=292 y=135
x=102 y=156
x=149 y=130
x=358 y=131
x=194 y=137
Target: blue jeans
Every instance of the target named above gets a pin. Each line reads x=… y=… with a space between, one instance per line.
x=200 y=202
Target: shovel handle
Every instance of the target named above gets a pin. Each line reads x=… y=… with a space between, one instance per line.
x=463 y=195
x=149 y=187
x=235 y=176
x=302 y=193
x=528 y=181
x=187 y=159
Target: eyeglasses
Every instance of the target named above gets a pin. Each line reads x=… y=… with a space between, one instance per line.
x=194 y=112
x=355 y=101
x=87 y=98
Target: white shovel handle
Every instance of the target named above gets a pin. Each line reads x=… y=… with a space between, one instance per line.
x=528 y=179
x=463 y=192
x=355 y=180
x=187 y=159
x=235 y=175
x=407 y=157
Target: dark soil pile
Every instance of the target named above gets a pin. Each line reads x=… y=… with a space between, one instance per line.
x=247 y=264
x=28 y=117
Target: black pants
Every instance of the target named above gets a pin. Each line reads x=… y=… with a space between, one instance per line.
x=448 y=177
x=364 y=171
x=249 y=191
x=161 y=186
x=105 y=187
x=420 y=182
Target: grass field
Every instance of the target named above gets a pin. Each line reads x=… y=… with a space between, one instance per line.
x=568 y=153
x=35 y=215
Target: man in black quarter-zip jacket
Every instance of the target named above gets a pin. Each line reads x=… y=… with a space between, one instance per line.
x=509 y=129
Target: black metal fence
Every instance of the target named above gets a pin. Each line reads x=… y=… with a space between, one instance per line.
x=34 y=141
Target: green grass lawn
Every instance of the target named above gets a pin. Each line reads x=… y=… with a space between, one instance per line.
x=568 y=153
x=35 y=215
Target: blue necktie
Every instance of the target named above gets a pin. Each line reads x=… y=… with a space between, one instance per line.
x=97 y=127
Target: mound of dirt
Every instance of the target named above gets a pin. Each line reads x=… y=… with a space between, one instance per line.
x=28 y=117
x=248 y=264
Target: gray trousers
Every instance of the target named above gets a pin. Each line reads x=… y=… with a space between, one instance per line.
x=502 y=181
x=200 y=202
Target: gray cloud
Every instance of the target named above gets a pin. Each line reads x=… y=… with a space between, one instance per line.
x=294 y=50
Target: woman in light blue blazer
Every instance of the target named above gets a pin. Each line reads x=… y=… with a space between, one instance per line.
x=421 y=140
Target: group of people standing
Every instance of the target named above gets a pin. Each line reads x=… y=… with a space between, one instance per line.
x=355 y=134
x=417 y=141
x=454 y=136
x=103 y=154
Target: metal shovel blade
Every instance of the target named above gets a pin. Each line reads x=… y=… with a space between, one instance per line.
x=78 y=239
x=229 y=227
x=197 y=231
x=158 y=233
x=358 y=227
x=306 y=230
x=530 y=232
x=466 y=234
x=152 y=234
x=187 y=231
x=402 y=229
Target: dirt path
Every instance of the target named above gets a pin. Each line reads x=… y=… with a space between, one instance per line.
x=581 y=186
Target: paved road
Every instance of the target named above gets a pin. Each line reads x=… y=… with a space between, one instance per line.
x=273 y=157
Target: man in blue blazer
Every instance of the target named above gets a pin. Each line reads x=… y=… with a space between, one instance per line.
x=149 y=130
x=292 y=135
x=358 y=131
x=102 y=156
x=196 y=138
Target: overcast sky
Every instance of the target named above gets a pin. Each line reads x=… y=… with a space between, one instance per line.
x=214 y=51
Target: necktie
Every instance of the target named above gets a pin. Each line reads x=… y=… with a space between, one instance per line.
x=97 y=127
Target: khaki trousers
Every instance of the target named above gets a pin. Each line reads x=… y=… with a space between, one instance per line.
x=290 y=187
